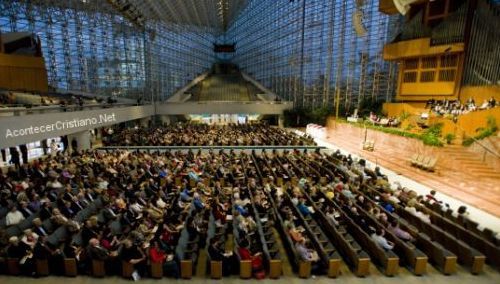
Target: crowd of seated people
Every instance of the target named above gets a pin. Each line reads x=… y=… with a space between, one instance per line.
x=185 y=134
x=52 y=192
x=348 y=189
x=455 y=107
x=31 y=99
x=122 y=206
x=141 y=216
x=379 y=120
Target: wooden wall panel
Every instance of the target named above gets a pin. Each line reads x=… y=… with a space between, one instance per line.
x=396 y=109
x=417 y=48
x=469 y=123
x=23 y=73
x=429 y=89
x=479 y=93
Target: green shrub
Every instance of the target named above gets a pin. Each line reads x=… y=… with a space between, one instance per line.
x=431 y=140
x=491 y=122
x=431 y=135
x=467 y=141
x=449 y=138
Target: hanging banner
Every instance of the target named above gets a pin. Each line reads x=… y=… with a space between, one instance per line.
x=17 y=130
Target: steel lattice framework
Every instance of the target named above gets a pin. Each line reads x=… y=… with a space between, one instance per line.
x=217 y=14
x=88 y=46
x=306 y=50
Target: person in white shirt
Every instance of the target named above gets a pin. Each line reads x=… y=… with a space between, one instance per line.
x=160 y=203
x=136 y=207
x=54 y=147
x=332 y=215
x=422 y=216
x=379 y=238
x=14 y=217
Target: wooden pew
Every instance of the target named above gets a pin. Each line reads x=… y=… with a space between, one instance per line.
x=70 y=268
x=490 y=250
x=415 y=259
x=304 y=269
x=42 y=267
x=466 y=255
x=245 y=269
x=98 y=269
x=328 y=254
x=186 y=269
x=357 y=259
x=275 y=269
x=301 y=267
x=13 y=267
x=387 y=262
x=441 y=258
x=156 y=270
x=127 y=269
x=215 y=269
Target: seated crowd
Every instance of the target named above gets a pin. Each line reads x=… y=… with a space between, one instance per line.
x=144 y=208
x=379 y=120
x=32 y=99
x=455 y=107
x=185 y=134
x=140 y=215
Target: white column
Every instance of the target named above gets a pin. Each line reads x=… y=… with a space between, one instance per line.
x=281 y=120
x=82 y=139
x=144 y=122
x=165 y=119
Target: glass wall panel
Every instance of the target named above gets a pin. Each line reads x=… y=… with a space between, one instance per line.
x=89 y=47
x=307 y=50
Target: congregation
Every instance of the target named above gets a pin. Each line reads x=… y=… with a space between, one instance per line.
x=190 y=134
x=135 y=211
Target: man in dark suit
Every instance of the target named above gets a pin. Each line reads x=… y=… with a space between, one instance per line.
x=14 y=157
x=24 y=153
x=96 y=252
x=109 y=213
x=25 y=210
x=67 y=211
x=76 y=206
x=88 y=233
x=46 y=211
x=38 y=228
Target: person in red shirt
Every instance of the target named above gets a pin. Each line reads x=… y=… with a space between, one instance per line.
x=157 y=255
x=244 y=252
x=256 y=258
